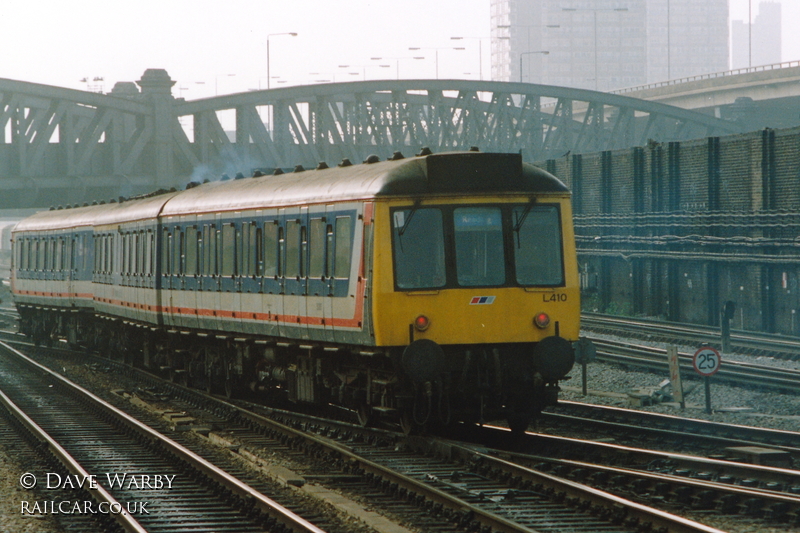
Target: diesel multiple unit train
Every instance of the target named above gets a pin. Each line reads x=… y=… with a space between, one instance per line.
x=431 y=289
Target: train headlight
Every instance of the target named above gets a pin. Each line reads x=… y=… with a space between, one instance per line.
x=421 y=323
x=542 y=320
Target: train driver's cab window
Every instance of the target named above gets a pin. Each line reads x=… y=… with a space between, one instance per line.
x=480 y=260
x=418 y=243
x=537 y=245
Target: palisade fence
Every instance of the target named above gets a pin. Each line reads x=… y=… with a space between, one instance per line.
x=676 y=229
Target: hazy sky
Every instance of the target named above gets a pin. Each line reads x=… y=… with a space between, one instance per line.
x=201 y=42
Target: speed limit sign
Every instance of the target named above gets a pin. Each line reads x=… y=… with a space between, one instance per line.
x=706 y=361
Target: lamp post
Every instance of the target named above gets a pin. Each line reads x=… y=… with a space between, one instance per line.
x=363 y=69
x=437 y=53
x=750 y=33
x=216 y=82
x=397 y=62
x=293 y=34
x=480 y=51
x=594 y=13
x=527 y=27
x=543 y=52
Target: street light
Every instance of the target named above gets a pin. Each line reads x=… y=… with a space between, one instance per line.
x=480 y=51
x=528 y=38
x=293 y=34
x=396 y=62
x=543 y=52
x=594 y=12
x=437 y=53
x=363 y=69
x=216 y=82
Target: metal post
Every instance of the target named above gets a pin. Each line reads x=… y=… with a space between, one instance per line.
x=595 y=50
x=707 y=380
x=583 y=377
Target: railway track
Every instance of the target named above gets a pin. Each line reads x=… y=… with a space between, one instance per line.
x=141 y=479
x=671 y=429
x=371 y=464
x=731 y=372
x=747 y=342
x=689 y=483
x=678 y=480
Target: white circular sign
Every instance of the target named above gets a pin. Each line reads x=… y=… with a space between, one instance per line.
x=706 y=361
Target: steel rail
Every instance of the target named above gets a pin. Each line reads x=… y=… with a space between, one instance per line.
x=574 y=490
x=286 y=517
x=735 y=372
x=584 y=448
x=642 y=514
x=788 y=441
x=789 y=503
x=100 y=494
x=740 y=339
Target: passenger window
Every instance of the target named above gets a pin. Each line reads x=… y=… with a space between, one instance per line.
x=228 y=249
x=258 y=248
x=165 y=255
x=292 y=249
x=151 y=255
x=317 y=242
x=343 y=247
x=180 y=251
x=125 y=253
x=303 y=251
x=242 y=250
x=270 y=250
x=190 y=264
x=210 y=250
x=253 y=250
x=46 y=258
x=58 y=257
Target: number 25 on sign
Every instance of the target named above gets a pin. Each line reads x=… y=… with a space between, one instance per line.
x=706 y=362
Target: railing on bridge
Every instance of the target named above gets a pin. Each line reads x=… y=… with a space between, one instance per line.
x=711 y=75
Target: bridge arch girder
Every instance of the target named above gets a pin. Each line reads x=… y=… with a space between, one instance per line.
x=134 y=141
x=303 y=125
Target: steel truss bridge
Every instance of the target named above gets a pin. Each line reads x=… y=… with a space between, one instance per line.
x=62 y=146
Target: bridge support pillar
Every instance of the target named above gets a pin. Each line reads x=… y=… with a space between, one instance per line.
x=156 y=88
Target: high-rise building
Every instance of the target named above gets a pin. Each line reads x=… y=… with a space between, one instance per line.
x=759 y=43
x=607 y=44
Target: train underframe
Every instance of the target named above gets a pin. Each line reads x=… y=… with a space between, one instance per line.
x=420 y=386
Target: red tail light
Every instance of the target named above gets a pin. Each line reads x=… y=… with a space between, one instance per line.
x=421 y=323
x=541 y=320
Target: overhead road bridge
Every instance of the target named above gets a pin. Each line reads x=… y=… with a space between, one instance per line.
x=62 y=146
x=755 y=97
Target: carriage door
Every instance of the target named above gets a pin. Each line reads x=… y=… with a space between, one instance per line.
x=295 y=272
x=230 y=298
x=72 y=273
x=318 y=304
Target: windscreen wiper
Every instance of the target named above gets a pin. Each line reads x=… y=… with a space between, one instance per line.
x=408 y=219
x=518 y=224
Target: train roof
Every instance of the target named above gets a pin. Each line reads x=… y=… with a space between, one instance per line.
x=447 y=173
x=96 y=215
x=460 y=173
